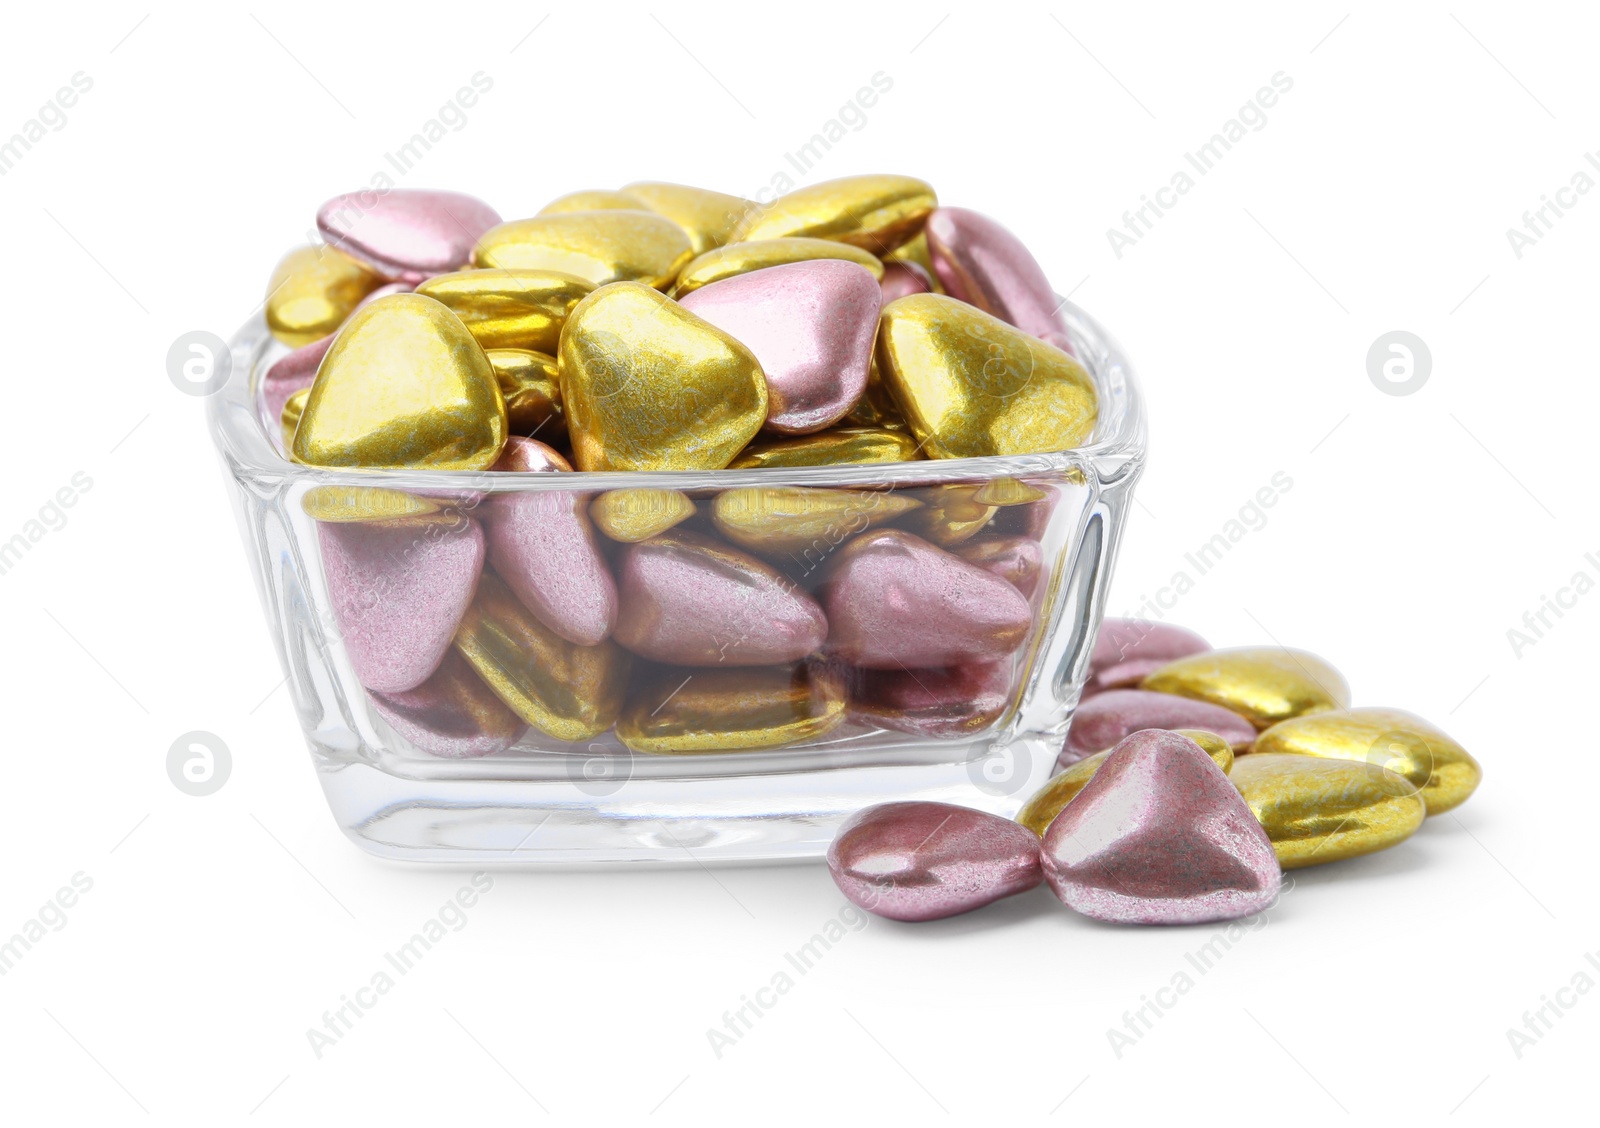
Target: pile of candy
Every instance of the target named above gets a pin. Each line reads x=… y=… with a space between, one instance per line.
x=1190 y=779
x=662 y=327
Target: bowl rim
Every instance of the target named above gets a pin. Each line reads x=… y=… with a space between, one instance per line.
x=1118 y=444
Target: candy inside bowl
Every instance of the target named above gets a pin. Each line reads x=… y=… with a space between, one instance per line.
x=531 y=652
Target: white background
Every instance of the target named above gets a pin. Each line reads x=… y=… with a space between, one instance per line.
x=1418 y=530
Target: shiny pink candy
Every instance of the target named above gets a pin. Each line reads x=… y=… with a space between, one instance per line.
x=895 y=601
x=1104 y=719
x=923 y=861
x=810 y=324
x=452 y=714
x=543 y=546
x=901 y=280
x=693 y=601
x=406 y=234
x=398 y=592
x=1017 y=560
x=1159 y=836
x=1126 y=650
x=981 y=262
x=946 y=704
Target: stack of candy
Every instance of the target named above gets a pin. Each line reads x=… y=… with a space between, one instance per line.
x=1189 y=780
x=667 y=328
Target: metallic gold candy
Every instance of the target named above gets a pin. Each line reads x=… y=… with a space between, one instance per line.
x=597 y=246
x=876 y=212
x=707 y=217
x=1441 y=769
x=1008 y=491
x=952 y=514
x=593 y=199
x=787 y=519
x=293 y=408
x=1045 y=804
x=647 y=385
x=567 y=691
x=835 y=447
x=971 y=385
x=531 y=387
x=741 y=258
x=876 y=407
x=1318 y=810
x=312 y=291
x=510 y=309
x=1264 y=684
x=635 y=515
x=679 y=712
x=405 y=385
x=365 y=503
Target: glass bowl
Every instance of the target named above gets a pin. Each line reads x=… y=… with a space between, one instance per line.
x=984 y=740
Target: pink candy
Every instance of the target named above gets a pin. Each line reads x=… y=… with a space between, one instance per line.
x=406 y=234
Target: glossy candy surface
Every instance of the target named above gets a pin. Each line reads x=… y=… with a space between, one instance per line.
x=980 y=262
x=875 y=212
x=565 y=690
x=919 y=861
x=1126 y=650
x=406 y=234
x=312 y=290
x=1104 y=719
x=510 y=309
x=895 y=601
x=742 y=258
x=1264 y=684
x=971 y=385
x=647 y=385
x=397 y=592
x=692 y=601
x=611 y=245
x=1403 y=742
x=944 y=704
x=447 y=414
x=636 y=515
x=531 y=386
x=1317 y=810
x=837 y=446
x=1073 y=776
x=452 y=714
x=707 y=218
x=800 y=523
x=542 y=545
x=1160 y=836
x=676 y=711
x=811 y=325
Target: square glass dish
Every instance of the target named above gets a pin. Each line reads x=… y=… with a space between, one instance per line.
x=801 y=746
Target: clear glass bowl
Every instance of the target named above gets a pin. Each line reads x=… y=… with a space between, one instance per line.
x=545 y=800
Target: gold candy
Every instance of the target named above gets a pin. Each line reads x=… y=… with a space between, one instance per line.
x=566 y=691
x=510 y=309
x=597 y=246
x=293 y=408
x=1008 y=491
x=707 y=217
x=791 y=519
x=953 y=514
x=876 y=407
x=365 y=503
x=742 y=258
x=877 y=213
x=1264 y=684
x=312 y=291
x=834 y=447
x=678 y=711
x=532 y=391
x=1441 y=769
x=593 y=199
x=1317 y=810
x=404 y=385
x=971 y=385
x=636 y=515
x=647 y=385
x=1045 y=804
